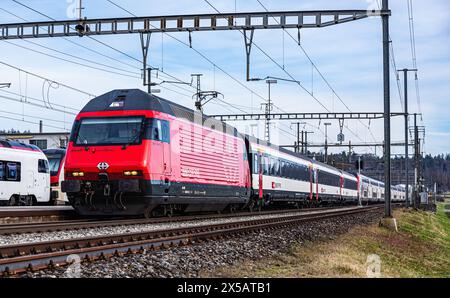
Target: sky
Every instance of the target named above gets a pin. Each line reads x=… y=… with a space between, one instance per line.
x=348 y=55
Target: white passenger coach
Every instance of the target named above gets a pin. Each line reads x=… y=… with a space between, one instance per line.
x=24 y=175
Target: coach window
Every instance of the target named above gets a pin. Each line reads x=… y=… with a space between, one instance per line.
x=283 y=169
x=2 y=173
x=255 y=164
x=276 y=167
x=266 y=165
x=43 y=166
x=11 y=171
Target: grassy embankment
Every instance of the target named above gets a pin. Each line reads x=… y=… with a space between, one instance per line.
x=421 y=248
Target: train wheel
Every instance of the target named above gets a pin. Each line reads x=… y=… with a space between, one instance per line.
x=251 y=205
x=25 y=201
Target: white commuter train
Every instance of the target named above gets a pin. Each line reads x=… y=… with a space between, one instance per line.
x=24 y=175
x=281 y=176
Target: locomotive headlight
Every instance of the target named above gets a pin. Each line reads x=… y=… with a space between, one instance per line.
x=78 y=174
x=132 y=173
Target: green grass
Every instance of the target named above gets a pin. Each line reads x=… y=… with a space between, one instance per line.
x=421 y=248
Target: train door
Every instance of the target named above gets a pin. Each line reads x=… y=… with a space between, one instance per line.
x=316 y=179
x=341 y=186
x=167 y=154
x=311 y=183
x=260 y=176
x=42 y=181
x=157 y=149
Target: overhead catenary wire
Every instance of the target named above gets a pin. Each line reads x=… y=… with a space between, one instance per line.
x=37 y=123
x=412 y=37
x=101 y=42
x=197 y=51
x=34 y=117
x=286 y=72
x=50 y=80
x=75 y=43
x=314 y=67
x=35 y=104
x=203 y=56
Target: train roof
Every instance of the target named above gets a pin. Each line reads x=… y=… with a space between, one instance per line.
x=136 y=99
x=17 y=145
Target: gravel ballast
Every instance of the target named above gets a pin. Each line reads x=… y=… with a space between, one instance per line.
x=204 y=259
x=127 y=229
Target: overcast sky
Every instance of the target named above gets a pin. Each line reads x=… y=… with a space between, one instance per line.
x=348 y=55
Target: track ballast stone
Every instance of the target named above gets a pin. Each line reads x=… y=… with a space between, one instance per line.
x=205 y=258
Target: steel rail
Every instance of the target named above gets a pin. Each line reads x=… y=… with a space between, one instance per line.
x=20 y=258
x=53 y=226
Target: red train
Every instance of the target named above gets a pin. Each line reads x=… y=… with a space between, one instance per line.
x=132 y=153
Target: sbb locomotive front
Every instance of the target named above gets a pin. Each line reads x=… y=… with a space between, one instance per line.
x=132 y=153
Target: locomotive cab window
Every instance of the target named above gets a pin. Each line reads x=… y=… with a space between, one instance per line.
x=158 y=130
x=109 y=131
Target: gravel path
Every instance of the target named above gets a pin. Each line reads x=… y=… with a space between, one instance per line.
x=126 y=229
x=203 y=259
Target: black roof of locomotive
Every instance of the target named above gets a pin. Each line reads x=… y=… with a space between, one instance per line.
x=133 y=99
x=136 y=99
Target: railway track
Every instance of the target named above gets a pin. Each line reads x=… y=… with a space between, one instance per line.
x=17 y=259
x=35 y=213
x=66 y=225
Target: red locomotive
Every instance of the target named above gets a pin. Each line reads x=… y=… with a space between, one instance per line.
x=134 y=153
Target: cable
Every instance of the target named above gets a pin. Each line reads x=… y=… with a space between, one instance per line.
x=197 y=51
x=100 y=42
x=73 y=42
x=166 y=88
x=34 y=104
x=70 y=61
x=34 y=117
x=316 y=68
x=50 y=80
x=37 y=123
x=285 y=71
x=412 y=37
x=39 y=100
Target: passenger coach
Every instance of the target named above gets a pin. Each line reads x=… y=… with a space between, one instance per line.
x=282 y=176
x=24 y=175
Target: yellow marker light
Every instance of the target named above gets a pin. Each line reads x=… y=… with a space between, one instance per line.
x=75 y=174
x=134 y=173
x=81 y=174
x=127 y=173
